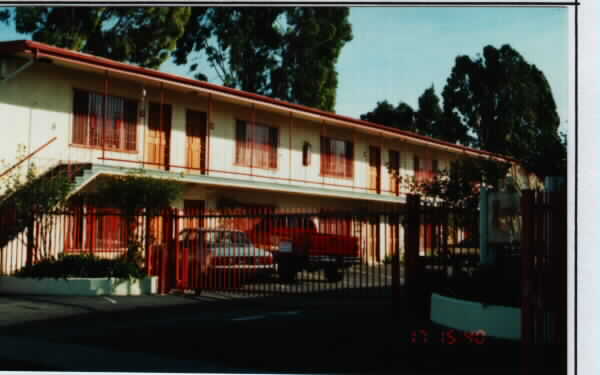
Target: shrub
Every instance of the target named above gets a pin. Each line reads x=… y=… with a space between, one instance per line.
x=84 y=265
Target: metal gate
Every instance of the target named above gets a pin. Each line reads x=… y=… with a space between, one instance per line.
x=544 y=266
x=280 y=251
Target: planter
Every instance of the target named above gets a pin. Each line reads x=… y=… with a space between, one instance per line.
x=498 y=321
x=78 y=286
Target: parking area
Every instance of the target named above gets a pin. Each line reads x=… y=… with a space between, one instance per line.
x=375 y=280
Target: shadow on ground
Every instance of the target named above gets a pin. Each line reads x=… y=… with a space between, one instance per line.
x=334 y=331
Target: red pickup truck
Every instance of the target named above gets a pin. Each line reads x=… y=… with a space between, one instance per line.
x=297 y=245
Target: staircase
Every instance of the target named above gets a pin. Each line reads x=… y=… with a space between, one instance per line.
x=11 y=222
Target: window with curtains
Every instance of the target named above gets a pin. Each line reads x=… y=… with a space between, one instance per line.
x=96 y=229
x=337 y=158
x=425 y=169
x=256 y=146
x=114 y=121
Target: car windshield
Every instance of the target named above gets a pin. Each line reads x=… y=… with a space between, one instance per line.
x=290 y=222
x=225 y=239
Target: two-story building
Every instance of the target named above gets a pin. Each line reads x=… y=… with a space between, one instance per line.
x=229 y=147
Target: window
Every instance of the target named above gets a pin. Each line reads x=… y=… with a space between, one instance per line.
x=96 y=230
x=256 y=146
x=337 y=158
x=119 y=129
x=394 y=171
x=425 y=169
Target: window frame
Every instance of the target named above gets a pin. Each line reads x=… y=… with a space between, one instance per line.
x=326 y=158
x=93 y=227
x=274 y=136
x=123 y=126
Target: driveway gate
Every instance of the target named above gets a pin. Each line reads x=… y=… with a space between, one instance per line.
x=281 y=252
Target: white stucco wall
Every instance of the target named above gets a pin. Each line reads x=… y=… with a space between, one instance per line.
x=37 y=105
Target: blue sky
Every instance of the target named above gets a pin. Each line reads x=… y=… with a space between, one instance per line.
x=398 y=52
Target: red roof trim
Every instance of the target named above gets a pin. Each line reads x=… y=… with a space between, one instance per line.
x=31 y=46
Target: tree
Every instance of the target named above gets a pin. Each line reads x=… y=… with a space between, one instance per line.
x=29 y=197
x=285 y=53
x=136 y=194
x=500 y=103
x=144 y=36
x=428 y=117
x=401 y=117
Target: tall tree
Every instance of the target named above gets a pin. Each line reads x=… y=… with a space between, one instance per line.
x=401 y=117
x=429 y=115
x=143 y=36
x=503 y=104
x=286 y=53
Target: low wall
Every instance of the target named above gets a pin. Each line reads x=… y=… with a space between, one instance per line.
x=78 y=286
x=497 y=321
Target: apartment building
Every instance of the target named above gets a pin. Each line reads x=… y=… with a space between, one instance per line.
x=229 y=148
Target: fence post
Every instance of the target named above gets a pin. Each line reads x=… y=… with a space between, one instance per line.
x=394 y=220
x=527 y=204
x=411 y=241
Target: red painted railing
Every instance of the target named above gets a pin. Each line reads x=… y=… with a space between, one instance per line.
x=28 y=157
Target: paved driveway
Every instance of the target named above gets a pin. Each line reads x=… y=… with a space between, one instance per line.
x=226 y=334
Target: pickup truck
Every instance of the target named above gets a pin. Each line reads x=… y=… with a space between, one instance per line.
x=297 y=245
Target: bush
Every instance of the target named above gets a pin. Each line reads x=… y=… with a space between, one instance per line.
x=85 y=265
x=489 y=284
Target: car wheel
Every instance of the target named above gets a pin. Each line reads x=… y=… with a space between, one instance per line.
x=333 y=273
x=287 y=272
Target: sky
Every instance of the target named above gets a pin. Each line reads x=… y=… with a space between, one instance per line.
x=398 y=52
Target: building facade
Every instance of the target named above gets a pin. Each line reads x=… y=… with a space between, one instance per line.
x=230 y=148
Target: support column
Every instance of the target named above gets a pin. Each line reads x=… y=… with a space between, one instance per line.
x=103 y=138
x=411 y=241
x=162 y=147
x=208 y=128
x=290 y=145
x=484 y=254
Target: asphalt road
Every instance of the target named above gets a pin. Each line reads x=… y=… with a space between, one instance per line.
x=217 y=332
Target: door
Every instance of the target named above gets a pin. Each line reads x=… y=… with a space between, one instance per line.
x=375 y=169
x=158 y=137
x=195 y=130
x=395 y=172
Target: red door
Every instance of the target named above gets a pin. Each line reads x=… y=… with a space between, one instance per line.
x=158 y=137
x=195 y=130
x=375 y=169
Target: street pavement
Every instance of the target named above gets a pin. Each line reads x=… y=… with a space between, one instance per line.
x=224 y=333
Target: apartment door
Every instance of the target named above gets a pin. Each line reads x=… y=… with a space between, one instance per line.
x=375 y=169
x=158 y=137
x=195 y=130
x=395 y=172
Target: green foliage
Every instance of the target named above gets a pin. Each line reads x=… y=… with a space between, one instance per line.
x=483 y=285
x=144 y=36
x=500 y=103
x=286 y=53
x=401 y=117
x=459 y=186
x=4 y=15
x=136 y=192
x=82 y=265
x=428 y=117
x=33 y=195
